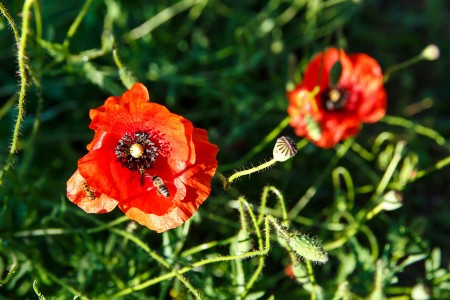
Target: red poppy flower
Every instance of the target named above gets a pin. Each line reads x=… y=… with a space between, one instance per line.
x=327 y=112
x=155 y=165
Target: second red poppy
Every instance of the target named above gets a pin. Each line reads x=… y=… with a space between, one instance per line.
x=328 y=106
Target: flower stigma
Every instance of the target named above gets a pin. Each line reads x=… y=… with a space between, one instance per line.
x=136 y=150
x=335 y=98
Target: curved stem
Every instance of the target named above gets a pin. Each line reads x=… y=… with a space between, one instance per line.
x=251 y=170
x=419 y=129
x=280 y=198
x=159 y=259
x=304 y=200
x=258 y=270
x=183 y=270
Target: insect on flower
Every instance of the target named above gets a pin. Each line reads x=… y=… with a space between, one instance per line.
x=142 y=179
x=133 y=138
x=160 y=186
x=89 y=192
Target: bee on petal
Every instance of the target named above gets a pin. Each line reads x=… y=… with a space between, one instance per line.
x=160 y=186
x=89 y=192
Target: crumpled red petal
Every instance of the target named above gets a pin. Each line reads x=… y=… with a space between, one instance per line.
x=90 y=201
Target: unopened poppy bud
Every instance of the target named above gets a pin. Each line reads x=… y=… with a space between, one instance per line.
x=392 y=200
x=284 y=149
x=431 y=52
x=309 y=248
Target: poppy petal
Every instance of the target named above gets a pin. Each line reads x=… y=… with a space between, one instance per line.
x=337 y=109
x=90 y=201
x=368 y=73
x=165 y=181
x=145 y=116
x=196 y=182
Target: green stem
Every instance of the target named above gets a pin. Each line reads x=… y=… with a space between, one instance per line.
x=199 y=264
x=73 y=28
x=160 y=18
x=38 y=20
x=391 y=70
x=11 y=23
x=258 y=270
x=439 y=165
x=60 y=231
x=398 y=154
x=365 y=214
x=206 y=246
x=10 y=270
x=372 y=242
x=280 y=198
x=304 y=200
x=242 y=214
x=419 y=129
x=251 y=170
x=268 y=139
x=72 y=290
x=312 y=279
x=21 y=57
x=345 y=174
x=157 y=258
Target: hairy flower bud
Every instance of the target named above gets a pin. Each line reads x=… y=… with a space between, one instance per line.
x=309 y=248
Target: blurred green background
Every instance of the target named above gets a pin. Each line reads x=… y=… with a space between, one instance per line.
x=224 y=65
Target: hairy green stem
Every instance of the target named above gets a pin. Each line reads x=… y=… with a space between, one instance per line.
x=183 y=270
x=11 y=23
x=280 y=198
x=251 y=170
x=258 y=270
x=21 y=57
x=159 y=259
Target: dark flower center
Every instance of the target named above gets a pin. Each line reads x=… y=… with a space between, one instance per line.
x=334 y=98
x=137 y=151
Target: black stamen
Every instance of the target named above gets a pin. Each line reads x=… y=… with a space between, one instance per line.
x=147 y=158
